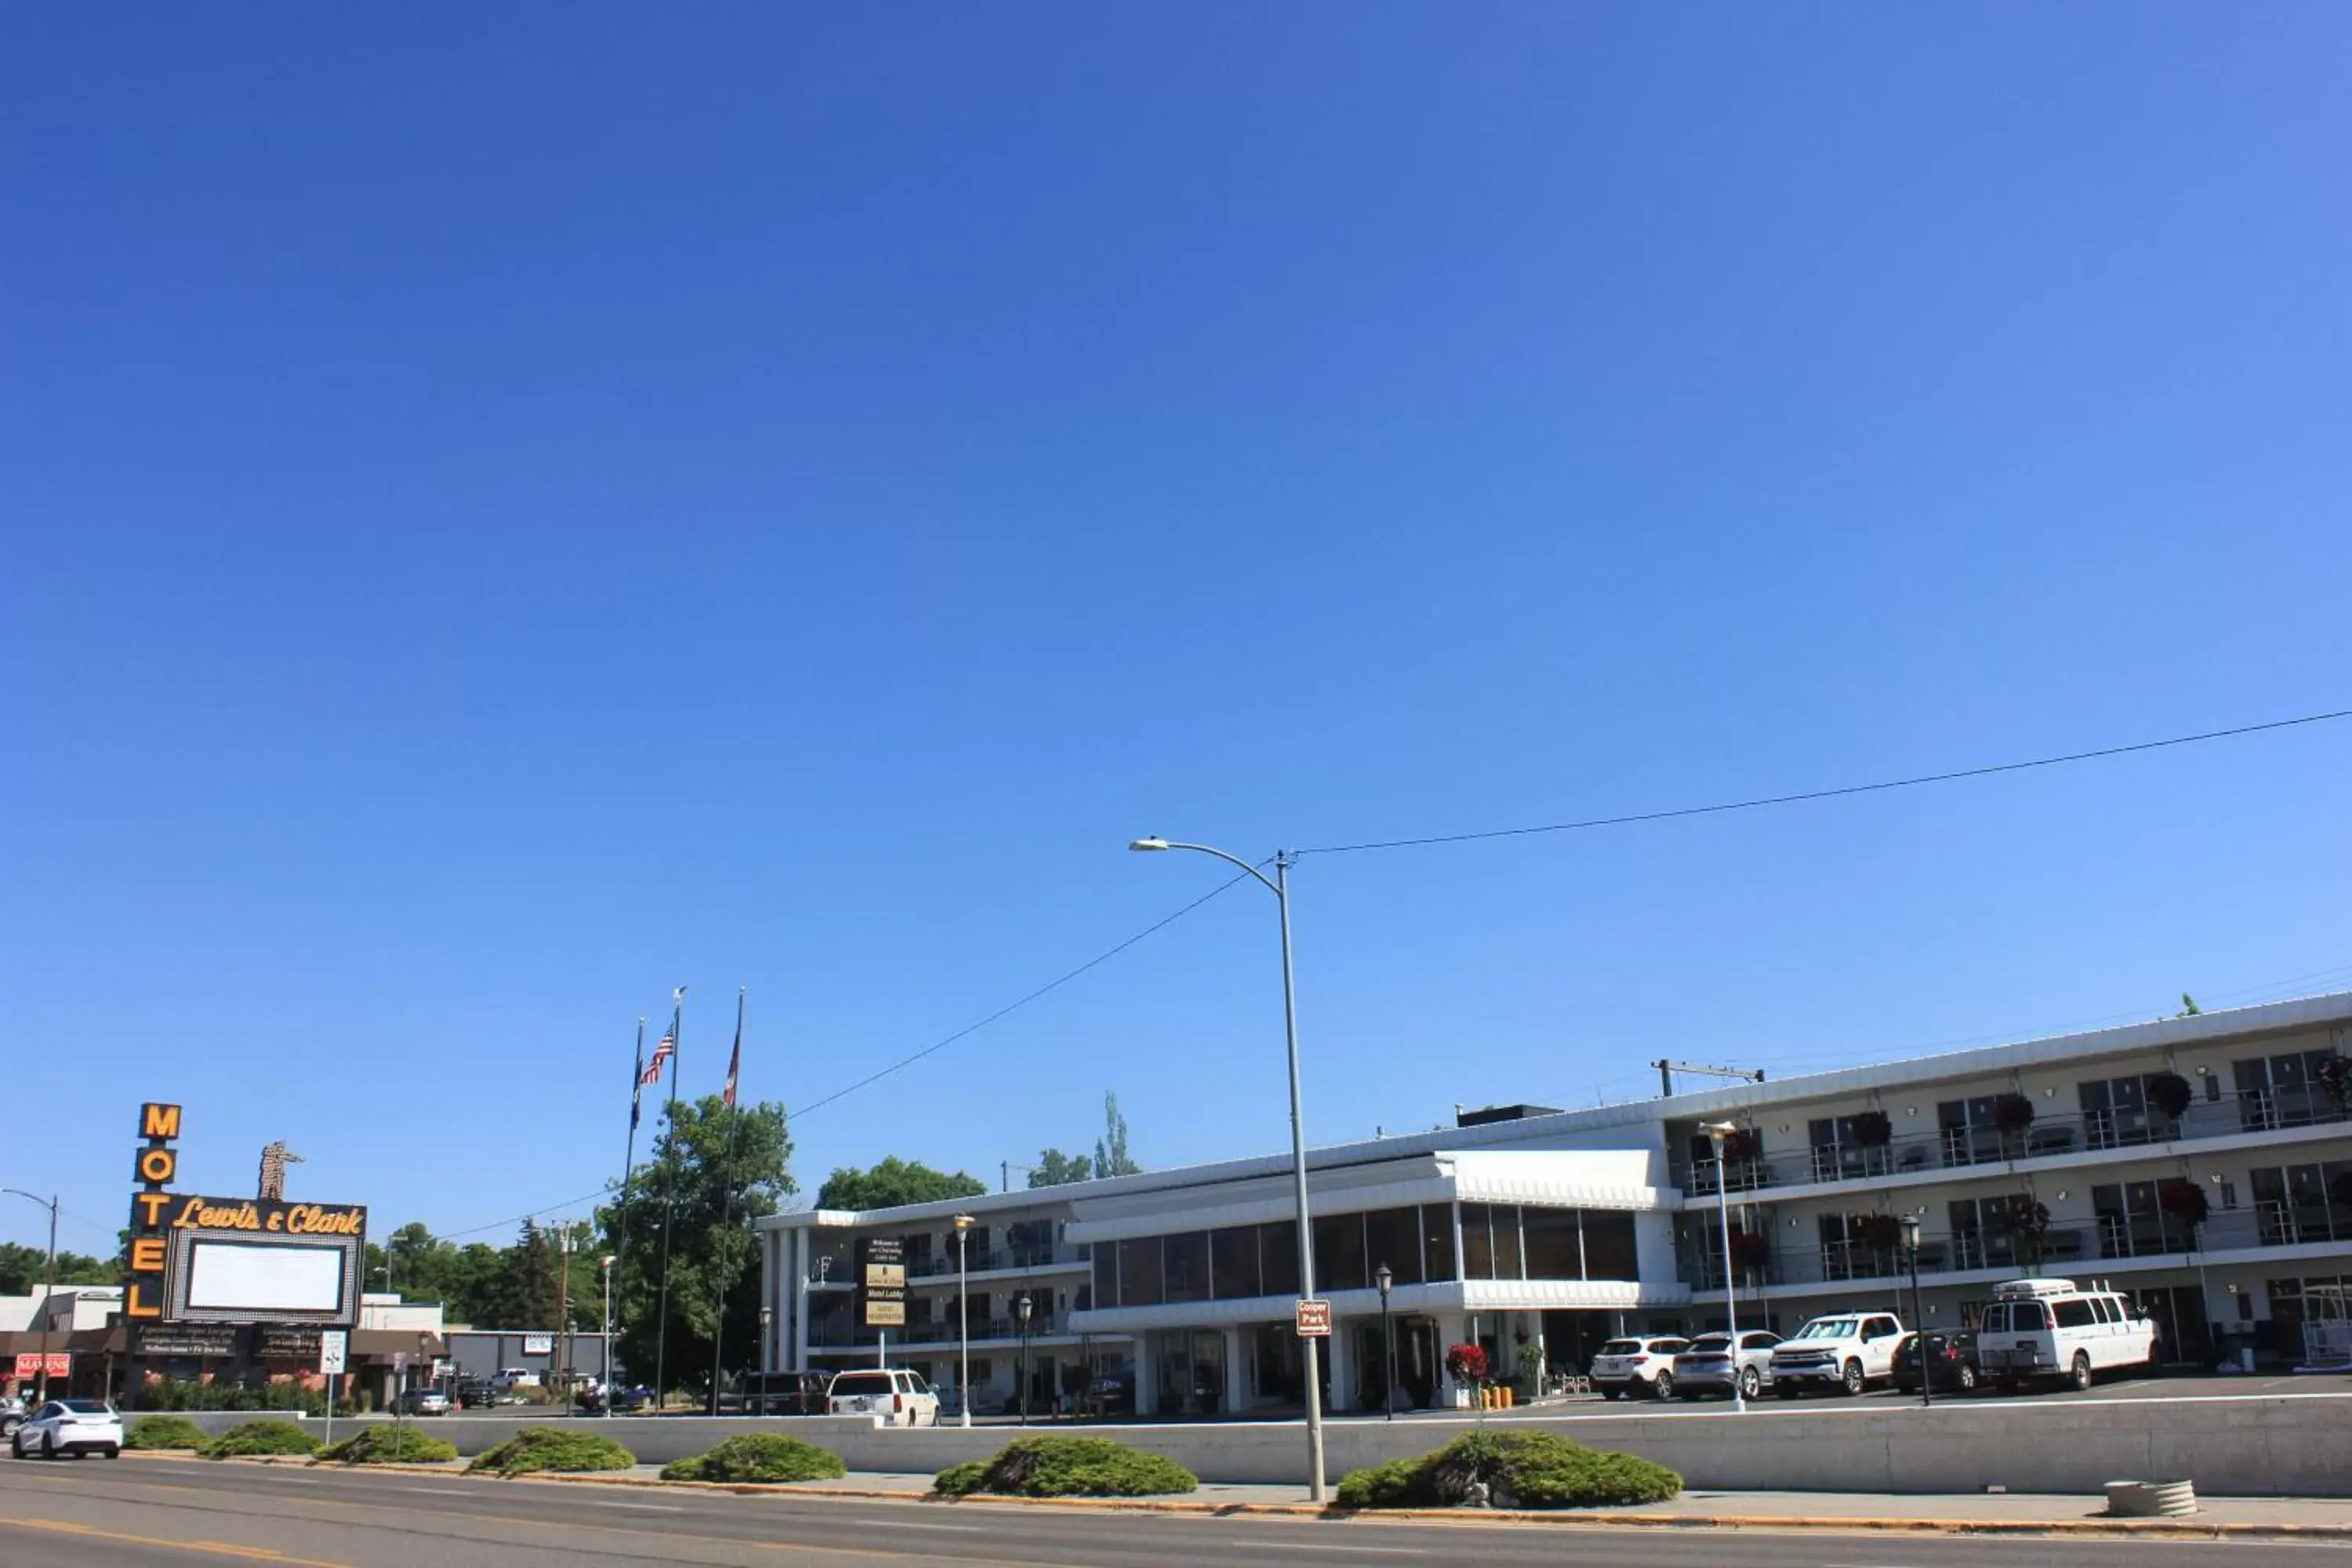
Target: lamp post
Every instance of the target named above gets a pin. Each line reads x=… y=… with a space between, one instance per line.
x=767 y=1363
x=48 y=1280
x=963 y=1223
x=1021 y=1310
x=1279 y=885
x=604 y=1267
x=1383 y=1278
x=1920 y=1308
x=1719 y=1131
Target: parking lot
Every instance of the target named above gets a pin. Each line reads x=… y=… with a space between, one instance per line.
x=2182 y=1386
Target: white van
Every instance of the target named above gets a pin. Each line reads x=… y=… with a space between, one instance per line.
x=2052 y=1329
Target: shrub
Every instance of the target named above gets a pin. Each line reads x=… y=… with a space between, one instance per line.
x=156 y=1432
x=386 y=1444
x=265 y=1437
x=759 y=1457
x=1067 y=1467
x=1520 y=1469
x=184 y=1393
x=548 y=1449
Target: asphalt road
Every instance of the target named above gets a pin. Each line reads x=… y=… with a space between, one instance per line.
x=140 y=1513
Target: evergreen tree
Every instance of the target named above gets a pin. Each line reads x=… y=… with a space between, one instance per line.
x=1110 y=1149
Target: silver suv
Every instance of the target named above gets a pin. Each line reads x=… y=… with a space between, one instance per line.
x=1709 y=1367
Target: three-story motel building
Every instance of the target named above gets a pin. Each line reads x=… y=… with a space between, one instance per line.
x=2199 y=1164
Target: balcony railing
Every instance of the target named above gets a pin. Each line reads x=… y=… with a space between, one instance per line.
x=833 y=1336
x=1951 y=1147
x=996 y=1259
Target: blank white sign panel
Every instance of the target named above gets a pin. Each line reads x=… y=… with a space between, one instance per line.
x=240 y=1275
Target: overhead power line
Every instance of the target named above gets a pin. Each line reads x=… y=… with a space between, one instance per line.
x=1882 y=784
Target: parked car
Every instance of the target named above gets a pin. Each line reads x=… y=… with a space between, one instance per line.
x=892 y=1395
x=2050 y=1329
x=1111 y=1396
x=1844 y=1350
x=781 y=1394
x=1708 y=1366
x=1644 y=1365
x=1951 y=1360
x=476 y=1394
x=69 y=1427
x=628 y=1400
x=423 y=1402
x=12 y=1413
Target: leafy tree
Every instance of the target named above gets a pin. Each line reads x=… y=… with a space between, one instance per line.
x=714 y=1169
x=1056 y=1169
x=22 y=1268
x=892 y=1183
x=1110 y=1149
x=2189 y=1007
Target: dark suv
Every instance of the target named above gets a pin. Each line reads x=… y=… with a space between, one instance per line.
x=781 y=1394
x=1952 y=1361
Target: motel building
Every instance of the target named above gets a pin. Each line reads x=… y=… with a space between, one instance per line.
x=2197 y=1164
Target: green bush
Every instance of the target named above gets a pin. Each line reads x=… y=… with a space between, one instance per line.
x=1067 y=1467
x=265 y=1437
x=184 y=1393
x=1520 y=1469
x=156 y=1432
x=385 y=1443
x=551 y=1449
x=758 y=1456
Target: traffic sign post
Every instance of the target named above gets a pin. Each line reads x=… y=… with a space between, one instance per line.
x=334 y=1353
x=1314 y=1319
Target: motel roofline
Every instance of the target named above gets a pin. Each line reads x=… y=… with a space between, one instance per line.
x=2198 y=1029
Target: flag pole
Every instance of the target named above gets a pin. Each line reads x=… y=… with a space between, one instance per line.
x=726 y=1205
x=621 y=1219
x=669 y=1201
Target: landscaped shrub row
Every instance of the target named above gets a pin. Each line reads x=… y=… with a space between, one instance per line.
x=1067 y=1467
x=768 y=1456
x=391 y=1445
x=153 y=1433
x=1519 y=1469
x=537 y=1449
x=265 y=1436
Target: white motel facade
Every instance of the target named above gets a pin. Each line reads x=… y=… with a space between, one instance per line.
x=1539 y=1234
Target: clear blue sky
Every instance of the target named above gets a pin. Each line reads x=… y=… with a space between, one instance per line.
x=508 y=509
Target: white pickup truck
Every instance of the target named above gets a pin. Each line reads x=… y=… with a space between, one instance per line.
x=1847 y=1351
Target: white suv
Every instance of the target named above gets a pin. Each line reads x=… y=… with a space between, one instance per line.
x=1847 y=1351
x=892 y=1395
x=1646 y=1365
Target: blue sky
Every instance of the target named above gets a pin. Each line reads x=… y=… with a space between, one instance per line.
x=507 y=512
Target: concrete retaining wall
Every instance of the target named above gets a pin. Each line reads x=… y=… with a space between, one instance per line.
x=2231 y=1447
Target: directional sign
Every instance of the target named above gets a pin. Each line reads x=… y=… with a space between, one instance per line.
x=1314 y=1320
x=334 y=1349
x=882 y=1282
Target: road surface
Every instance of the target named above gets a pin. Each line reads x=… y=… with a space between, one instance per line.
x=162 y=1515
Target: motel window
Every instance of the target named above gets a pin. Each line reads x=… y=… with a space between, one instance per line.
x=1232 y=1262
x=1553 y=1250
x=1340 y=1253
x=1278 y=1257
x=1477 y=1242
x=1106 y=1274
x=1141 y=1279
x=1437 y=1241
x=1393 y=1237
x=1609 y=1252
x=1188 y=1267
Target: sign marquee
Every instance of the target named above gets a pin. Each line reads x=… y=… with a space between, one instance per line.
x=882 y=1282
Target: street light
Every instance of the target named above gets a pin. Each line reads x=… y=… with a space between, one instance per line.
x=963 y=1224
x=1021 y=1310
x=767 y=1362
x=1279 y=885
x=48 y=1280
x=1911 y=1245
x=1720 y=1132
x=1382 y=1279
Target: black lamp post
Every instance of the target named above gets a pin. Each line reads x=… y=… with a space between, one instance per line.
x=1919 y=1310
x=767 y=1385
x=1385 y=1280
x=1022 y=1306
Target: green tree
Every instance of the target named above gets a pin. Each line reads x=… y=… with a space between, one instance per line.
x=1056 y=1169
x=1110 y=1149
x=22 y=1268
x=714 y=1169
x=2189 y=1007
x=892 y=1183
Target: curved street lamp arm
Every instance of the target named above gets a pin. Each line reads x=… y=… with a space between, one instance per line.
x=1232 y=859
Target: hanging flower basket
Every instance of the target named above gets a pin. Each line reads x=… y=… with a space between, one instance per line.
x=2012 y=1113
x=1467 y=1364
x=2335 y=1075
x=2170 y=1093
x=2184 y=1200
x=1752 y=1252
x=1871 y=1130
x=2023 y=1220
x=1742 y=1146
x=1878 y=1232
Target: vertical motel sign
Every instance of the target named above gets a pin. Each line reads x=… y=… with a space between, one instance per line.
x=882 y=1282
x=154 y=1167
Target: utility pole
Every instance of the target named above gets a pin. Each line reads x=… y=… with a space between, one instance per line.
x=563 y=1310
x=49 y=1280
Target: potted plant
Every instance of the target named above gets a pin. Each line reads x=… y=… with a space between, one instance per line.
x=2012 y=1113
x=1872 y=1128
x=2170 y=1093
x=1751 y=1251
x=2334 y=1074
x=1467 y=1365
x=1742 y=1146
x=2025 y=1220
x=1878 y=1232
x=2185 y=1200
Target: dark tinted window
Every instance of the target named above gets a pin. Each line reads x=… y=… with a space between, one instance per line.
x=1437 y=1241
x=1277 y=1259
x=1507 y=1264
x=1609 y=1250
x=1106 y=1274
x=1393 y=1237
x=1187 y=1265
x=2076 y=1313
x=86 y=1406
x=1340 y=1253
x=1552 y=1251
x=1232 y=1262
x=849 y=1383
x=1139 y=1276
x=1477 y=1242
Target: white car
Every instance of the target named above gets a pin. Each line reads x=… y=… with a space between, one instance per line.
x=1708 y=1366
x=894 y=1397
x=69 y=1427
x=2048 y=1328
x=1845 y=1351
x=1644 y=1365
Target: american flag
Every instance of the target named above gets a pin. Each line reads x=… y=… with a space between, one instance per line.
x=734 y=1066
x=662 y=1053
